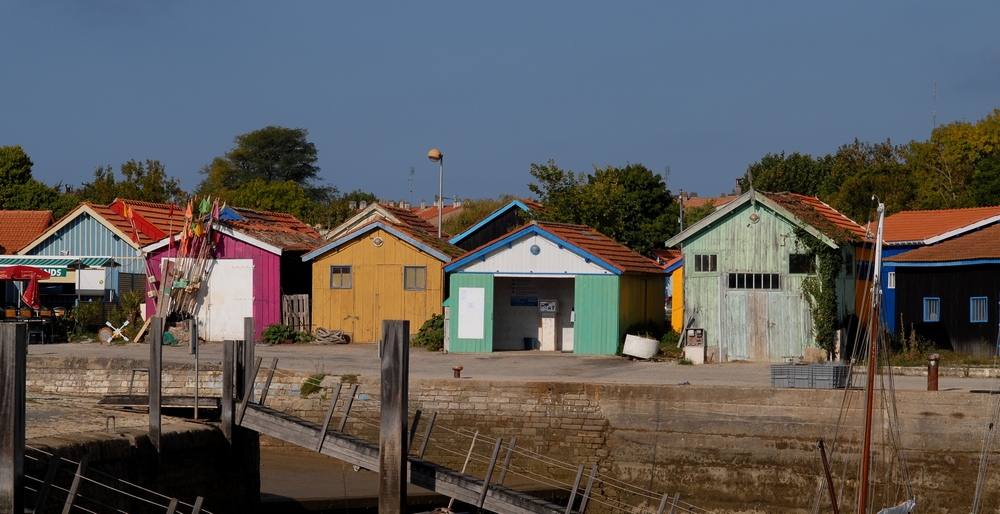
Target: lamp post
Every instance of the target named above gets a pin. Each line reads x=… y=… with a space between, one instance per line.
x=435 y=155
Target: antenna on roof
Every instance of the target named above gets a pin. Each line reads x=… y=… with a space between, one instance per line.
x=411 y=183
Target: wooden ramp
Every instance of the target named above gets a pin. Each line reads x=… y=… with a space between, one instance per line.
x=363 y=453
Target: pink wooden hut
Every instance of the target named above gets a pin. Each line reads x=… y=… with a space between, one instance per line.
x=256 y=259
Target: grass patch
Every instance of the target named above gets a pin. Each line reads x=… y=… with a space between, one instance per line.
x=685 y=362
x=311 y=385
x=349 y=379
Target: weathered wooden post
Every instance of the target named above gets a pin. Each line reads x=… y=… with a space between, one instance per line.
x=392 y=436
x=228 y=378
x=193 y=336
x=155 y=379
x=13 y=374
x=248 y=355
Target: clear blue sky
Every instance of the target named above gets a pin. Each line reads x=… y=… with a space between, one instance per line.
x=705 y=88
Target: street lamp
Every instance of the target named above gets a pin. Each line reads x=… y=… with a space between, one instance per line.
x=435 y=155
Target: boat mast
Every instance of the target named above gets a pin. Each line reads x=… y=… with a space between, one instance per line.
x=872 y=354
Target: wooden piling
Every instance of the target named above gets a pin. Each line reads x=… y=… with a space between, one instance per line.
x=392 y=436
x=228 y=378
x=155 y=380
x=13 y=374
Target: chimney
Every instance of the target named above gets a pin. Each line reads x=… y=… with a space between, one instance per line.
x=423 y=204
x=363 y=204
x=457 y=202
x=352 y=205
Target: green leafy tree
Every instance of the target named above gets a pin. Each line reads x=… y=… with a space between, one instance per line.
x=946 y=166
x=695 y=214
x=36 y=196
x=631 y=205
x=20 y=191
x=862 y=170
x=15 y=166
x=270 y=154
x=144 y=181
x=338 y=209
x=795 y=173
x=287 y=197
x=986 y=182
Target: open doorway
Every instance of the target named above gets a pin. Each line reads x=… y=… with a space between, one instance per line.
x=533 y=313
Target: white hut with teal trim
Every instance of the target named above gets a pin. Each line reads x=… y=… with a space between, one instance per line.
x=551 y=287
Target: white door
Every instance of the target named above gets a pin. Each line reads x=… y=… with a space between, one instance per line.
x=226 y=299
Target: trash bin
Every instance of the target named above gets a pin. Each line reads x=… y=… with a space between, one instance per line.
x=529 y=343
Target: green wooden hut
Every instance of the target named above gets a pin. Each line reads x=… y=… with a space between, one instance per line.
x=745 y=266
x=551 y=287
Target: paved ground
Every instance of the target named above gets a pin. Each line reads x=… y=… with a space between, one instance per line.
x=362 y=359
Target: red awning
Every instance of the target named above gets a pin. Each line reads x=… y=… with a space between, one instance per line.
x=23 y=273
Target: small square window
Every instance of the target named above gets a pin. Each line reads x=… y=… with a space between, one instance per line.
x=340 y=277
x=890 y=280
x=705 y=263
x=932 y=310
x=978 y=309
x=415 y=278
x=799 y=263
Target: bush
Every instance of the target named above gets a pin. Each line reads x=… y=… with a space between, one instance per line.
x=88 y=314
x=276 y=333
x=431 y=334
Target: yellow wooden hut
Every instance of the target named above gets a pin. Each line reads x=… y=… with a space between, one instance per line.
x=379 y=271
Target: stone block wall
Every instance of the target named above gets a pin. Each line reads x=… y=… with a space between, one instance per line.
x=196 y=461
x=726 y=449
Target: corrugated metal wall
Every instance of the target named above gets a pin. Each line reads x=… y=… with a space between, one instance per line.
x=480 y=280
x=597 y=327
x=376 y=291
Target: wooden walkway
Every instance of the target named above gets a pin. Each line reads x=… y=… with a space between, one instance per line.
x=365 y=454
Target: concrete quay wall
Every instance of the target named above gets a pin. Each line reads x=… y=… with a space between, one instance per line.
x=727 y=449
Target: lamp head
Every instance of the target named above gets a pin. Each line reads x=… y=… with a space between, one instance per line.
x=435 y=155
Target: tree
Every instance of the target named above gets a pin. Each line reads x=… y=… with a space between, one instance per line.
x=270 y=154
x=15 y=166
x=146 y=182
x=796 y=173
x=986 y=182
x=862 y=170
x=338 y=209
x=473 y=211
x=946 y=165
x=631 y=205
x=20 y=191
x=287 y=197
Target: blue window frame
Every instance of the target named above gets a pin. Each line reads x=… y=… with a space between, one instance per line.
x=932 y=309
x=979 y=309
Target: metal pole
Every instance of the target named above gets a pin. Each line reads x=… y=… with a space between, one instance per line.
x=829 y=479
x=440 y=194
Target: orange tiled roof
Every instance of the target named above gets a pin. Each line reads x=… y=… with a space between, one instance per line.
x=430 y=213
x=277 y=229
x=820 y=216
x=981 y=244
x=667 y=256
x=691 y=203
x=917 y=226
x=415 y=221
x=596 y=243
x=18 y=228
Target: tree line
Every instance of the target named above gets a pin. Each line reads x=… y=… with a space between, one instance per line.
x=274 y=169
